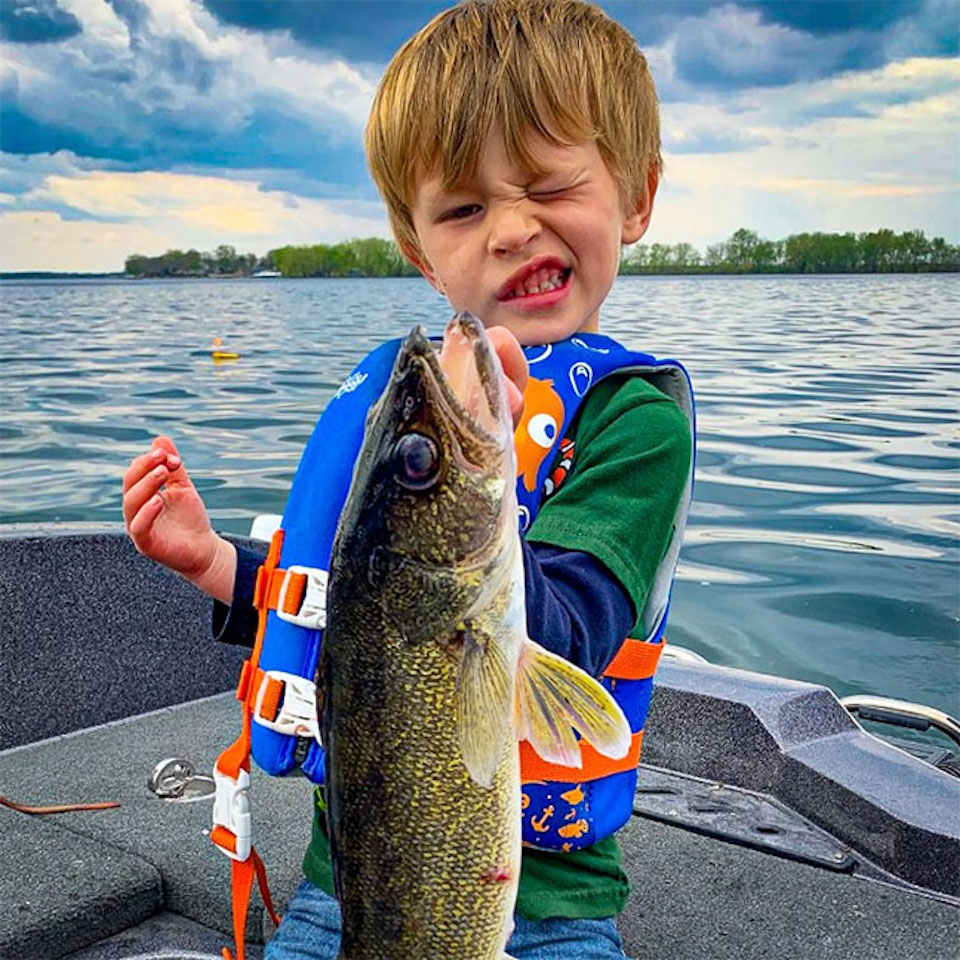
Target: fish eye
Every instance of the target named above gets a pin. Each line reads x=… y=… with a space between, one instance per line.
x=416 y=461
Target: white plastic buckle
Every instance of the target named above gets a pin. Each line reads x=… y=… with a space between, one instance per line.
x=297 y=715
x=231 y=810
x=313 y=609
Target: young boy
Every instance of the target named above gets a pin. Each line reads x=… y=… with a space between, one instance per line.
x=516 y=144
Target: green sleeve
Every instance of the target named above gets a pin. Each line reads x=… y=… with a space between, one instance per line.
x=631 y=461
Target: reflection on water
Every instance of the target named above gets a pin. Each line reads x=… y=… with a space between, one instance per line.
x=823 y=539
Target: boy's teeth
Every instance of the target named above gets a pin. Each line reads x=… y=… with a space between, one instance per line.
x=540 y=282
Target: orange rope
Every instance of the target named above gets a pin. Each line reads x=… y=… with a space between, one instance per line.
x=56 y=808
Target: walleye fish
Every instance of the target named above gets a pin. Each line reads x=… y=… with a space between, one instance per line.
x=427 y=678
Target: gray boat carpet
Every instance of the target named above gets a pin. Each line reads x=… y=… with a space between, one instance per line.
x=105 y=632
x=165 y=936
x=59 y=890
x=97 y=872
x=114 y=762
x=695 y=898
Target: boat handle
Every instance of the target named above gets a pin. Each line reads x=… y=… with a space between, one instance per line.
x=902 y=713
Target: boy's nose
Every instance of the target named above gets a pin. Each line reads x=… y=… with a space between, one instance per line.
x=511 y=228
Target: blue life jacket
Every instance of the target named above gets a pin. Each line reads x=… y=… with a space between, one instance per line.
x=564 y=808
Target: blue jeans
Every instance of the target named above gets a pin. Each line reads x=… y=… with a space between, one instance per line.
x=311 y=931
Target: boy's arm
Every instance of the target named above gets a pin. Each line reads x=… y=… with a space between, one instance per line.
x=618 y=507
x=575 y=606
x=237 y=623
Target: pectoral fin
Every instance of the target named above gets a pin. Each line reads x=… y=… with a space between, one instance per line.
x=484 y=698
x=554 y=698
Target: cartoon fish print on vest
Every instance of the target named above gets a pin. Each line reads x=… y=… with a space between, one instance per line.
x=562 y=470
x=537 y=430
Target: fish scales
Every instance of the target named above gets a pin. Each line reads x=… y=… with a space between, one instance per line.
x=422 y=842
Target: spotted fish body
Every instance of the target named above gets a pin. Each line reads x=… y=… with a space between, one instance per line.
x=426 y=676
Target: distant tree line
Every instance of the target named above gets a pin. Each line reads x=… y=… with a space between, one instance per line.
x=223 y=262
x=881 y=251
x=373 y=257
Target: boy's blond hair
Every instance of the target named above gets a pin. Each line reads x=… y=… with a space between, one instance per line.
x=559 y=68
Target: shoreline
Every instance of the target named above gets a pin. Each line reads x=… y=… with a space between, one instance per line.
x=31 y=275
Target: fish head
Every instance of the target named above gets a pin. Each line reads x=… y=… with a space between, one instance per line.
x=431 y=515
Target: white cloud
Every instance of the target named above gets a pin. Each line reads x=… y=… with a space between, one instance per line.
x=732 y=45
x=103 y=28
x=151 y=212
x=894 y=165
x=43 y=240
x=850 y=189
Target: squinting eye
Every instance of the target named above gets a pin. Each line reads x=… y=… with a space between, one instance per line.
x=416 y=461
x=548 y=194
x=542 y=429
x=461 y=213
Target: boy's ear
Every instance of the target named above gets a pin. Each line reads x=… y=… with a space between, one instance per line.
x=637 y=217
x=420 y=262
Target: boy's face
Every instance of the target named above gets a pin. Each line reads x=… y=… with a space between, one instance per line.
x=537 y=255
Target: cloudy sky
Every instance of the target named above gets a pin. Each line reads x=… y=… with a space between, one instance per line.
x=142 y=125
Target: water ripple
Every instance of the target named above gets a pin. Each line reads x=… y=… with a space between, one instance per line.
x=822 y=543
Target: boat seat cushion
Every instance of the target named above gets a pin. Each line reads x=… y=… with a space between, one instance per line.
x=115 y=856
x=60 y=891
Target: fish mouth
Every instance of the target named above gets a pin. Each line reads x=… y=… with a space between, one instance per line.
x=464 y=373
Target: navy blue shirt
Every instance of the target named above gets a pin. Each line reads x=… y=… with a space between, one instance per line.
x=575 y=606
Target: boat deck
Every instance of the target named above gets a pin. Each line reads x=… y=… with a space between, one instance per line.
x=144 y=877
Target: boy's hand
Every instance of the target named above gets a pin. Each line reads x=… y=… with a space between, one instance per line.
x=167 y=521
x=514 y=365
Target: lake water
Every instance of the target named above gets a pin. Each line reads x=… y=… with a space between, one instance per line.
x=823 y=539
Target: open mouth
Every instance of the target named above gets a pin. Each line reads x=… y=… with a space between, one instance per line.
x=463 y=373
x=470 y=372
x=540 y=283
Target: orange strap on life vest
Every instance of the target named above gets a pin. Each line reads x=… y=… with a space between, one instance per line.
x=594 y=765
x=295 y=590
x=234 y=762
x=635 y=660
x=241 y=883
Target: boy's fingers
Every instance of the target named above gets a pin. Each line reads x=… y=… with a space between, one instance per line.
x=144 y=519
x=140 y=466
x=162 y=451
x=511 y=356
x=169 y=448
x=514 y=365
x=142 y=491
x=515 y=401
x=164 y=443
